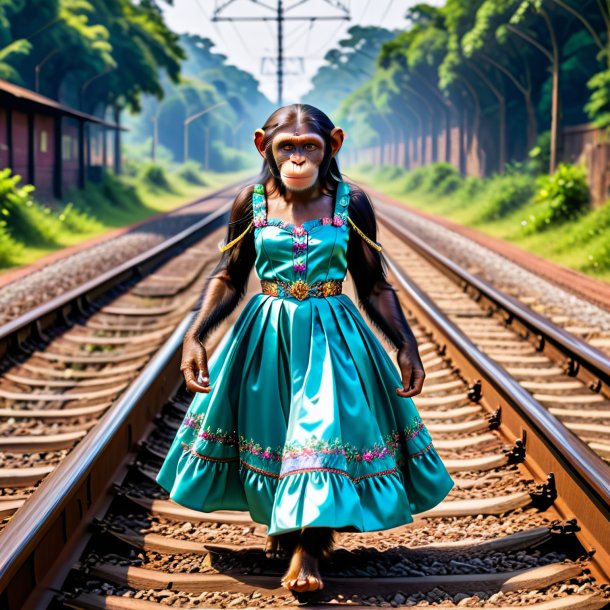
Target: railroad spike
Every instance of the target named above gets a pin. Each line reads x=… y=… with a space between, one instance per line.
x=516 y=454
x=540 y=343
x=474 y=391
x=545 y=493
x=495 y=419
x=596 y=386
x=570 y=367
x=564 y=528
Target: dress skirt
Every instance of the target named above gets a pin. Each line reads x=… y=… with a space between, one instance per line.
x=303 y=427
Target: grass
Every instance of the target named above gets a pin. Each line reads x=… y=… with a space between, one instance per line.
x=505 y=207
x=30 y=230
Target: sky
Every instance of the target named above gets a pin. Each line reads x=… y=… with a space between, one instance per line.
x=247 y=45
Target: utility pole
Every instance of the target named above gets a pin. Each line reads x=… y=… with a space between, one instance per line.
x=280 y=16
x=188 y=120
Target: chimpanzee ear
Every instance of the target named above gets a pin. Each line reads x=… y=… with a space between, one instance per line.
x=337 y=135
x=259 y=135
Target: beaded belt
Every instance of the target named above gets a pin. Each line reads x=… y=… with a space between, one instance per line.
x=300 y=289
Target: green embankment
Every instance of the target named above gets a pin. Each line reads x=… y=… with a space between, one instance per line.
x=30 y=230
x=548 y=216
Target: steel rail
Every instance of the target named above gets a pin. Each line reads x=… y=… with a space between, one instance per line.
x=34 y=322
x=588 y=357
x=54 y=511
x=584 y=467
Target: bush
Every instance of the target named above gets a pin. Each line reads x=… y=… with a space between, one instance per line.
x=389 y=173
x=154 y=175
x=414 y=179
x=191 y=172
x=505 y=194
x=470 y=188
x=448 y=186
x=26 y=220
x=436 y=174
x=561 y=197
x=540 y=156
x=9 y=248
x=77 y=220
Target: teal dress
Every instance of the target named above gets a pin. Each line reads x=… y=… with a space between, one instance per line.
x=303 y=427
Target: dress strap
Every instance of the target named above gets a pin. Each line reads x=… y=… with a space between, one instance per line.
x=259 y=213
x=259 y=205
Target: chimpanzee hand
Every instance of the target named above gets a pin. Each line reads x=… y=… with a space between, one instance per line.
x=194 y=365
x=412 y=370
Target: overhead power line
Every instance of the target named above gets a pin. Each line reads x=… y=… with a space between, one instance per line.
x=280 y=17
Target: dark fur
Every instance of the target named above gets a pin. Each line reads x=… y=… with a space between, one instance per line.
x=317 y=541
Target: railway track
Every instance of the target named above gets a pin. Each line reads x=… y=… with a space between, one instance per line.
x=567 y=375
x=576 y=303
x=64 y=364
x=504 y=537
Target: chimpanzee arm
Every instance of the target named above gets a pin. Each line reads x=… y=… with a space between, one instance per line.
x=226 y=285
x=368 y=267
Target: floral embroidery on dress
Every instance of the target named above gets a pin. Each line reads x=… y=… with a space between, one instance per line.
x=300 y=234
x=312 y=448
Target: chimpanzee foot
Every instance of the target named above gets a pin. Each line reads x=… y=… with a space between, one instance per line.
x=272 y=548
x=303 y=573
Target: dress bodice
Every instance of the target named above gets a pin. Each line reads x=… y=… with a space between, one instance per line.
x=313 y=251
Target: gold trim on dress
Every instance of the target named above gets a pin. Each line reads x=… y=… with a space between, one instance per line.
x=366 y=239
x=301 y=290
x=234 y=241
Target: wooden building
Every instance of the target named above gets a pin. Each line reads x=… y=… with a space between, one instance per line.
x=52 y=146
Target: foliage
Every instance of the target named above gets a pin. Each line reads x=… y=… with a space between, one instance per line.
x=10 y=249
x=505 y=194
x=27 y=221
x=154 y=175
x=414 y=179
x=192 y=173
x=232 y=96
x=95 y=52
x=388 y=173
x=435 y=177
x=598 y=106
x=106 y=201
x=347 y=66
x=539 y=157
x=561 y=197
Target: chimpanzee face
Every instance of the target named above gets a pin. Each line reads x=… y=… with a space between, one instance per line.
x=298 y=158
x=297 y=155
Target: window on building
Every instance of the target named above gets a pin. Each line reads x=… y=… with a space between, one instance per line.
x=44 y=142
x=66 y=148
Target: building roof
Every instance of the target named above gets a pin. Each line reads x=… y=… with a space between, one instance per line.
x=41 y=102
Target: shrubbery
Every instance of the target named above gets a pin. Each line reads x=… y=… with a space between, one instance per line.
x=9 y=248
x=192 y=173
x=414 y=179
x=560 y=197
x=27 y=222
x=503 y=195
x=154 y=175
x=389 y=173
